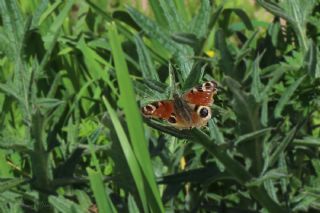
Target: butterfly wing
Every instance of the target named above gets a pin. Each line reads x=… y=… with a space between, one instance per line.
x=201 y=95
x=158 y=109
x=200 y=99
x=165 y=110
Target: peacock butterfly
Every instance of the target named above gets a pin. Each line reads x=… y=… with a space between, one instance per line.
x=190 y=110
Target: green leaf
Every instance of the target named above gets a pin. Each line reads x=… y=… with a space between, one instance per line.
x=10 y=91
x=9 y=184
x=145 y=61
x=245 y=107
x=158 y=12
x=186 y=38
x=245 y=49
x=64 y=205
x=299 y=10
x=92 y=59
x=13 y=23
x=5 y=45
x=275 y=9
x=153 y=30
x=132 y=206
x=271 y=174
x=316 y=166
x=125 y=17
x=215 y=132
x=129 y=155
x=134 y=121
x=311 y=60
x=103 y=200
x=286 y=96
x=43 y=5
x=5 y=169
x=180 y=52
x=45 y=15
x=175 y=22
x=48 y=103
x=276 y=76
x=83 y=199
x=264 y=112
x=251 y=135
x=256 y=85
x=182 y=9
x=274 y=31
x=247 y=111
x=236 y=170
x=60 y=19
x=295 y=12
x=52 y=34
x=22 y=148
x=304 y=200
x=241 y=14
x=307 y=141
x=282 y=146
x=199 y=24
x=194 y=77
x=227 y=61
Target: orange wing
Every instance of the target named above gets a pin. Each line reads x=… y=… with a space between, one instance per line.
x=199 y=100
x=164 y=110
x=158 y=109
x=202 y=95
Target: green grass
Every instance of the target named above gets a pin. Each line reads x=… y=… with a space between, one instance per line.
x=74 y=75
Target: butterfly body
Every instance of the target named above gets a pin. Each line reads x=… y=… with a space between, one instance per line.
x=190 y=110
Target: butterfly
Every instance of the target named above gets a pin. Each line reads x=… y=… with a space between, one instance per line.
x=192 y=109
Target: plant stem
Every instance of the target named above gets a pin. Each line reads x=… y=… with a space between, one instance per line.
x=40 y=165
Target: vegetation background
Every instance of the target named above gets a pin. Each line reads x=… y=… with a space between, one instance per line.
x=71 y=135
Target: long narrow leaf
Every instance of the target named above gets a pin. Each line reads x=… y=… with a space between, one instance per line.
x=200 y=22
x=129 y=154
x=282 y=146
x=102 y=198
x=146 y=64
x=63 y=205
x=286 y=97
x=134 y=121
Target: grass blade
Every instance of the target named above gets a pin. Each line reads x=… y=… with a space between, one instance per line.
x=102 y=198
x=129 y=155
x=134 y=121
